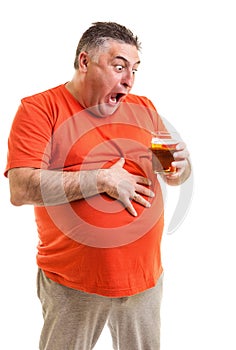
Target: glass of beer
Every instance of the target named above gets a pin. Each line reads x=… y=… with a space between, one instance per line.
x=163 y=146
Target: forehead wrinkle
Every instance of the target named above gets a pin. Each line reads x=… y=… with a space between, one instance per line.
x=125 y=59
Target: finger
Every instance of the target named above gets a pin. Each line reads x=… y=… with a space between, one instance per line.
x=144 y=190
x=180 y=163
x=181 y=154
x=128 y=205
x=131 y=210
x=139 y=199
x=181 y=145
x=142 y=180
x=173 y=176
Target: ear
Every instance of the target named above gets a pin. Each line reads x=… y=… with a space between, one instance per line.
x=83 y=61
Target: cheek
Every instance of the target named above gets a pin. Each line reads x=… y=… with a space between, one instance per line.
x=103 y=82
x=104 y=86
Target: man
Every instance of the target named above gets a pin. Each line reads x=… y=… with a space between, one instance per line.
x=80 y=154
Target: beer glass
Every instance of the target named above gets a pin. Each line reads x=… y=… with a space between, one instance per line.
x=163 y=146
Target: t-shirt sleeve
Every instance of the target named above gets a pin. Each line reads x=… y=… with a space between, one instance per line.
x=30 y=137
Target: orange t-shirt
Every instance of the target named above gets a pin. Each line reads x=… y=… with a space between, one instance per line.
x=92 y=244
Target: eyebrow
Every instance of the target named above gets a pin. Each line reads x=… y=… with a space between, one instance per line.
x=125 y=59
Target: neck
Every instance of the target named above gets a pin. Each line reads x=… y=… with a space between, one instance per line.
x=73 y=87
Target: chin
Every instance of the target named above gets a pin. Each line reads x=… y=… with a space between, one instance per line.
x=104 y=110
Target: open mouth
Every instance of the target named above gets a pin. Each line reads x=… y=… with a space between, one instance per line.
x=115 y=98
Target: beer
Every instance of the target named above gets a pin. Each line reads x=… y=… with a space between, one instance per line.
x=162 y=154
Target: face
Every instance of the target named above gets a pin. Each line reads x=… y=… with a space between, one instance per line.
x=110 y=78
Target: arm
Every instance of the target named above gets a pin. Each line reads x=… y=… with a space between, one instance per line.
x=46 y=187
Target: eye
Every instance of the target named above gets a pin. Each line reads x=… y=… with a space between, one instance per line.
x=134 y=71
x=119 y=68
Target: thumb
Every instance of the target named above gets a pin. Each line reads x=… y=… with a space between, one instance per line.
x=120 y=163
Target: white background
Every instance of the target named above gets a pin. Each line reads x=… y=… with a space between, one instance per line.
x=188 y=71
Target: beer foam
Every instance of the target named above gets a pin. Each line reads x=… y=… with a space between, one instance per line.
x=158 y=141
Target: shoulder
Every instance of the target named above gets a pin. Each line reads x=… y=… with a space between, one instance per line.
x=149 y=107
x=45 y=104
x=141 y=100
x=44 y=96
x=40 y=106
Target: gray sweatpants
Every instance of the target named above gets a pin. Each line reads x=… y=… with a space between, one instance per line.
x=74 y=320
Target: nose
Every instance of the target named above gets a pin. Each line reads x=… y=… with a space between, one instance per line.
x=128 y=78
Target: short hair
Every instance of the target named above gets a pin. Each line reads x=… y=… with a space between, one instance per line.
x=100 y=32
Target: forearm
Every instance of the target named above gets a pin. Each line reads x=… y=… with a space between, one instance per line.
x=46 y=187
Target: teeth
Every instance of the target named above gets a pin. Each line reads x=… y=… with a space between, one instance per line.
x=113 y=98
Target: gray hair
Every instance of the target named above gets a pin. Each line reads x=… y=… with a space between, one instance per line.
x=101 y=32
